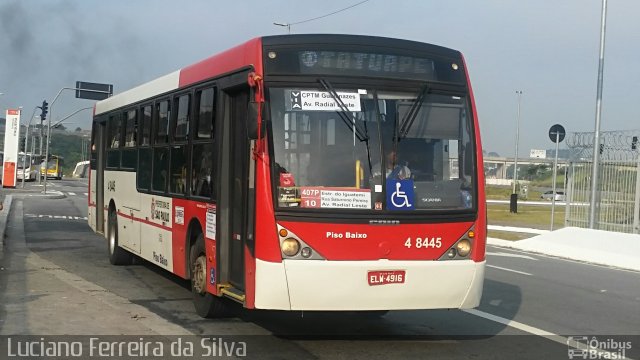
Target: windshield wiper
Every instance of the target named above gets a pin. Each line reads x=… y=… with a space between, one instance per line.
x=410 y=116
x=344 y=112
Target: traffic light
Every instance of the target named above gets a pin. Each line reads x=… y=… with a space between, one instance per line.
x=45 y=110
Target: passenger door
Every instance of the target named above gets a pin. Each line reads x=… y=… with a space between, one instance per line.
x=234 y=163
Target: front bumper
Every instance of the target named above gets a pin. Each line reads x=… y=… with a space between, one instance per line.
x=342 y=285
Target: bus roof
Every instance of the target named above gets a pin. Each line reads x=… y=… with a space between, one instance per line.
x=243 y=55
x=250 y=54
x=358 y=40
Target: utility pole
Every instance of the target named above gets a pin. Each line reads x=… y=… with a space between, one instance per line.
x=595 y=201
x=514 y=196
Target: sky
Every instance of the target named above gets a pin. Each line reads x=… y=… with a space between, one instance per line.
x=548 y=49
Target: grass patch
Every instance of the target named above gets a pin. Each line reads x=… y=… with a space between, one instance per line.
x=508 y=235
x=531 y=216
x=504 y=193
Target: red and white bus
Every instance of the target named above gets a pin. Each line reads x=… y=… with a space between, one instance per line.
x=257 y=174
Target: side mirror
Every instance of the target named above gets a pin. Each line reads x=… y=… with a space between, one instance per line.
x=253 y=129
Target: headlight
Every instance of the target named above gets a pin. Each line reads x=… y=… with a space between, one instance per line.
x=463 y=247
x=290 y=247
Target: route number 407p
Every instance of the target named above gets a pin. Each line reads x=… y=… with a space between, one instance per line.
x=426 y=243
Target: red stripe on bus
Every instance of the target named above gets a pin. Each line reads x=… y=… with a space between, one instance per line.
x=247 y=54
x=479 y=244
x=144 y=221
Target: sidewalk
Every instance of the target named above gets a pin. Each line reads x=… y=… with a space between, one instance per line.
x=606 y=248
x=38 y=297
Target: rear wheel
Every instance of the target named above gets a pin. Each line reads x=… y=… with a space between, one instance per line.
x=117 y=255
x=207 y=305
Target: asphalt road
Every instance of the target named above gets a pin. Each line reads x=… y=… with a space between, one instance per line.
x=530 y=304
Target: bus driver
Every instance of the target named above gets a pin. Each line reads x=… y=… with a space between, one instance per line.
x=396 y=170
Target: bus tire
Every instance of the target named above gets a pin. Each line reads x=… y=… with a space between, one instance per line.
x=207 y=305
x=117 y=255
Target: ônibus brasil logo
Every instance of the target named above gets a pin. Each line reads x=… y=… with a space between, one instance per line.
x=584 y=347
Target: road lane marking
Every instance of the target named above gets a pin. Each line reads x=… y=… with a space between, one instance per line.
x=512 y=323
x=72 y=193
x=61 y=217
x=506 y=254
x=505 y=269
x=603 y=354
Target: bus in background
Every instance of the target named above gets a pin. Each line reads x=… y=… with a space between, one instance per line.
x=54 y=169
x=31 y=166
x=300 y=172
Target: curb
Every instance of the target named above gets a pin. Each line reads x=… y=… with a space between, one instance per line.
x=49 y=195
x=4 y=217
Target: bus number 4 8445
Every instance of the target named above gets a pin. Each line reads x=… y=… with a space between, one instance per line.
x=426 y=243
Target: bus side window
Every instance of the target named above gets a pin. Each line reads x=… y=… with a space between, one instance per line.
x=145 y=126
x=181 y=126
x=129 y=154
x=205 y=114
x=130 y=132
x=162 y=115
x=114 y=136
x=178 y=180
x=160 y=166
x=144 y=168
x=115 y=126
x=202 y=173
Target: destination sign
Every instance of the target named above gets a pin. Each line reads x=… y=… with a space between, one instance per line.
x=371 y=64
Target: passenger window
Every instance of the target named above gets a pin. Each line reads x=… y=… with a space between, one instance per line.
x=163 y=113
x=144 y=168
x=115 y=126
x=206 y=113
x=130 y=134
x=178 y=180
x=182 y=118
x=202 y=171
x=145 y=125
x=160 y=166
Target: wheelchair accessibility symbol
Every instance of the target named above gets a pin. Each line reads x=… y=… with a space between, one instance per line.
x=400 y=195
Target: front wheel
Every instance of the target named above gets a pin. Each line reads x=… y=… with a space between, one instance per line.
x=207 y=305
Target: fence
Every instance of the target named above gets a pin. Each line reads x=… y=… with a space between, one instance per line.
x=618 y=193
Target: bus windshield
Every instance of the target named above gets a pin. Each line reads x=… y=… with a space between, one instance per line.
x=372 y=149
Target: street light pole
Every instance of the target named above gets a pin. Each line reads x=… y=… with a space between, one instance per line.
x=595 y=205
x=26 y=146
x=514 y=196
x=287 y=25
x=515 y=159
x=46 y=152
